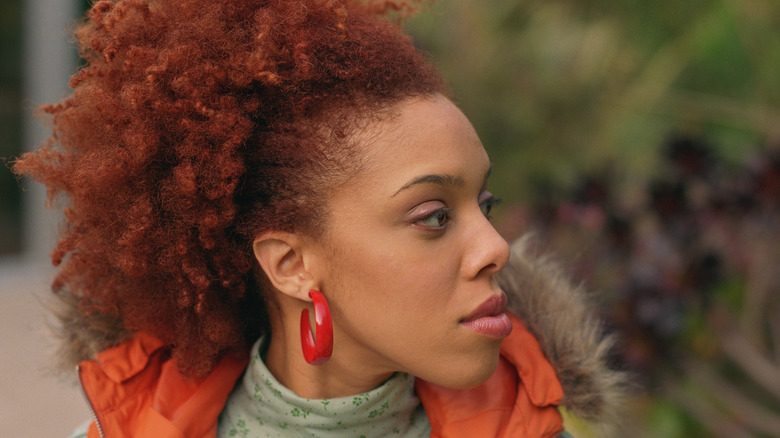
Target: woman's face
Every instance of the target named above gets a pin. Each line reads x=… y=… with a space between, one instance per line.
x=410 y=254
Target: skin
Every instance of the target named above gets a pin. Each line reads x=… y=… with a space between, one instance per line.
x=408 y=253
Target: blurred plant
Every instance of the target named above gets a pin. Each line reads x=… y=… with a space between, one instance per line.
x=690 y=281
x=558 y=87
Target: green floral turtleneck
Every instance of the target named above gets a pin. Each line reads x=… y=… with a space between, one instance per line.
x=260 y=406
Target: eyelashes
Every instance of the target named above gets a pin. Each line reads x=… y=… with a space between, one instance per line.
x=438 y=219
x=487 y=205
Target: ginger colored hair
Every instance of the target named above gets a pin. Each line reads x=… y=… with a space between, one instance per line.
x=195 y=125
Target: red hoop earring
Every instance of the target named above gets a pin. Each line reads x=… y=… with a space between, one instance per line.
x=317 y=353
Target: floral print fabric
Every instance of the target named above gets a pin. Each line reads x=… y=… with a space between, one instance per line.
x=260 y=406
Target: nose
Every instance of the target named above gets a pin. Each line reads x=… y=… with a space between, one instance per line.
x=488 y=252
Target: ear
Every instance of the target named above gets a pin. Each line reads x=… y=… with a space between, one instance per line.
x=281 y=256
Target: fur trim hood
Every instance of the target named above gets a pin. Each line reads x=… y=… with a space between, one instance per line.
x=571 y=335
x=556 y=312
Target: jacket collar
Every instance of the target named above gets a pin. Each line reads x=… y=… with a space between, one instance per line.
x=519 y=400
x=134 y=389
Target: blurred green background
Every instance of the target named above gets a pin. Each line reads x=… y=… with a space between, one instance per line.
x=639 y=141
x=560 y=87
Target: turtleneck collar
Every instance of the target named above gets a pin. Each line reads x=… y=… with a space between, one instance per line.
x=261 y=406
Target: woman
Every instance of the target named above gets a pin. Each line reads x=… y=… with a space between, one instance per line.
x=235 y=169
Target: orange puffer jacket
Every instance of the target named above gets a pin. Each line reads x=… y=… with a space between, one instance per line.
x=136 y=390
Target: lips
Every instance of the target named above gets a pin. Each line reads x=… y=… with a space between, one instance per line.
x=489 y=318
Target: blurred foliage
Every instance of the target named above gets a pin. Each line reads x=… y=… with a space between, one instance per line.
x=560 y=87
x=688 y=278
x=640 y=140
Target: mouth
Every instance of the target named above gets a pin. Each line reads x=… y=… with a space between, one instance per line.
x=489 y=318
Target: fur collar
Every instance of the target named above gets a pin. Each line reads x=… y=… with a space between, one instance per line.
x=571 y=335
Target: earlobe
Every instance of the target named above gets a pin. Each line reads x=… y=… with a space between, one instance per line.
x=281 y=258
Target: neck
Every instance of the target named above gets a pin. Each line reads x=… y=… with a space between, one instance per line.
x=338 y=377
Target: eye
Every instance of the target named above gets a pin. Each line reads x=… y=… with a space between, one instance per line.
x=437 y=219
x=486 y=205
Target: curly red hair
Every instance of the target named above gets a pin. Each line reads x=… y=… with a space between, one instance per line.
x=195 y=125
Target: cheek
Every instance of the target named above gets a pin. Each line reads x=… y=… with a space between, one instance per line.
x=401 y=305
x=392 y=275
x=405 y=309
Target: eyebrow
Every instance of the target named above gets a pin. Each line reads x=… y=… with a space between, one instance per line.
x=438 y=179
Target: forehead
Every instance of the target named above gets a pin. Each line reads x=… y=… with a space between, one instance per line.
x=422 y=135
